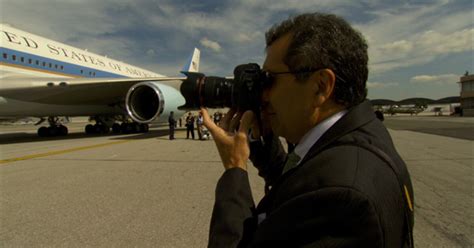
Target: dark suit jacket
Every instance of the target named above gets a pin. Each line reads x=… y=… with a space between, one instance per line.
x=171 y=121
x=338 y=196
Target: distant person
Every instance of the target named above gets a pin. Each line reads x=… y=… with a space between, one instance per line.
x=171 y=124
x=379 y=115
x=215 y=118
x=199 y=122
x=190 y=125
x=218 y=118
x=180 y=122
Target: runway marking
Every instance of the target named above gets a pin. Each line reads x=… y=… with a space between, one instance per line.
x=40 y=155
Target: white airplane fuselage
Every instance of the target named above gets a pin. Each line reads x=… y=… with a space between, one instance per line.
x=31 y=62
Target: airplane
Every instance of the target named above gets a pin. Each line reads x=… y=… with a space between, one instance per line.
x=412 y=110
x=43 y=78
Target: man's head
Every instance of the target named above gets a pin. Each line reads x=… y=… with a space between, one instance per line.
x=326 y=61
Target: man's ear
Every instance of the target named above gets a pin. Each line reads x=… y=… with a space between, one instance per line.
x=325 y=80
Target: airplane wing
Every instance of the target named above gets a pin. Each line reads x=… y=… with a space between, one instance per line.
x=72 y=91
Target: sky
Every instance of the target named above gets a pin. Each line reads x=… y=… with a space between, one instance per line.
x=416 y=48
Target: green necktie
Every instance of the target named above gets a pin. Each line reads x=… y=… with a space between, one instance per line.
x=291 y=162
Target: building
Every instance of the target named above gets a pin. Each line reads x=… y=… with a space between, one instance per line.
x=467 y=94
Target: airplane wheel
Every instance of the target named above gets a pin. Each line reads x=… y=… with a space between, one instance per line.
x=97 y=128
x=135 y=127
x=53 y=131
x=89 y=129
x=116 y=128
x=104 y=129
x=144 y=128
x=126 y=128
x=63 y=130
x=43 y=132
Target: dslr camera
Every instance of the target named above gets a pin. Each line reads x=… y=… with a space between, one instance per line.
x=243 y=92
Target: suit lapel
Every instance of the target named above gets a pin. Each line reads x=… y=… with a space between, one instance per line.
x=356 y=117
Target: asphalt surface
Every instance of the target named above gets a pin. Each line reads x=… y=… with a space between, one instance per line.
x=143 y=190
x=456 y=127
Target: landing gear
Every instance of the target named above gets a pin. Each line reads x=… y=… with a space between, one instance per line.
x=105 y=124
x=133 y=127
x=55 y=128
x=116 y=128
x=97 y=129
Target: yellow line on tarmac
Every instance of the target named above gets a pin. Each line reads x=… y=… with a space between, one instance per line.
x=40 y=155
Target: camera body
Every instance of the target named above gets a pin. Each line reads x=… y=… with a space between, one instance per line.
x=243 y=92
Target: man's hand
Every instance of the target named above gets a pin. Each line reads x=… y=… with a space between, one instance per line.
x=231 y=137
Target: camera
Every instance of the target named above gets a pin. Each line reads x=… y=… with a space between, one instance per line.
x=243 y=92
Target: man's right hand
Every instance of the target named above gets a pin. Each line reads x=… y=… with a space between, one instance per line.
x=231 y=137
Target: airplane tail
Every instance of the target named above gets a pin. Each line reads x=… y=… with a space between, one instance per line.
x=193 y=62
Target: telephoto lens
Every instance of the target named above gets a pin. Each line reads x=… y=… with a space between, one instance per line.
x=243 y=92
x=201 y=91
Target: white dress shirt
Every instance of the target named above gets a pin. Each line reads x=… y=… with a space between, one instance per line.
x=313 y=135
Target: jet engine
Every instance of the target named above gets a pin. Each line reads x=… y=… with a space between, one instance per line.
x=148 y=102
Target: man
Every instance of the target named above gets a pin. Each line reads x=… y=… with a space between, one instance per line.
x=190 y=125
x=199 y=122
x=172 y=124
x=344 y=185
x=217 y=117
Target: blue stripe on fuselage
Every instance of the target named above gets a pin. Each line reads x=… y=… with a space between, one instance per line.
x=73 y=70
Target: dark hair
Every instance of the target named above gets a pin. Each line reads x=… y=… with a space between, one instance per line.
x=326 y=41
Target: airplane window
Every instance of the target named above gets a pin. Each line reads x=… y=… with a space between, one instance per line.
x=29 y=61
x=44 y=63
x=93 y=74
x=82 y=71
x=37 y=62
x=62 y=68
x=22 y=59
x=14 y=57
x=56 y=66
x=50 y=65
x=5 y=56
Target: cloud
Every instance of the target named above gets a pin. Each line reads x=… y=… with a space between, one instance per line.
x=210 y=44
x=422 y=48
x=401 y=46
x=380 y=85
x=441 y=43
x=406 y=35
x=299 y=6
x=252 y=37
x=402 y=36
x=435 y=79
x=150 y=52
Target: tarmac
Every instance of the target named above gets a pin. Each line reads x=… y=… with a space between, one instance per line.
x=143 y=190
